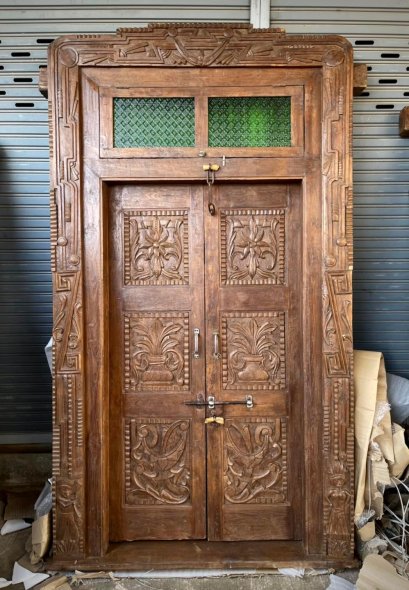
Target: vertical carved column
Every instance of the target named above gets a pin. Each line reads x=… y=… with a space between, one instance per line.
x=338 y=441
x=68 y=452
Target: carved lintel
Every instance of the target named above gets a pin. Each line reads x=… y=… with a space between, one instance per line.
x=360 y=78
x=404 y=122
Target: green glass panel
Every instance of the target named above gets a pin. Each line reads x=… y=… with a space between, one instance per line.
x=250 y=121
x=154 y=122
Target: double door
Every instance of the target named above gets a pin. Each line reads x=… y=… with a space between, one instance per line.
x=206 y=384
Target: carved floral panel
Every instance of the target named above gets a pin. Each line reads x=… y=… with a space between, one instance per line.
x=253 y=346
x=255 y=461
x=253 y=246
x=156 y=351
x=156 y=250
x=157 y=461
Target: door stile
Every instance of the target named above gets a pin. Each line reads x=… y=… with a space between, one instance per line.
x=212 y=311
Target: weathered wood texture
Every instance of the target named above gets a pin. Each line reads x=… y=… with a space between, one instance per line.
x=360 y=78
x=88 y=178
x=404 y=122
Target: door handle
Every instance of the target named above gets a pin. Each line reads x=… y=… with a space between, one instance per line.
x=196 y=353
x=216 y=349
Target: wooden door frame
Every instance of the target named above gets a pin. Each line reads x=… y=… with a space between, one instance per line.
x=80 y=466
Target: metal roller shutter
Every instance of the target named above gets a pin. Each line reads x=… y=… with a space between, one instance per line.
x=379 y=34
x=25 y=284
x=380 y=39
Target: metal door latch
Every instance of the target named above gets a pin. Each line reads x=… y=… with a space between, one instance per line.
x=214 y=420
x=211 y=170
x=211 y=402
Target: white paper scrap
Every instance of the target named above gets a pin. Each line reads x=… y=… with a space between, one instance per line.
x=293 y=572
x=14 y=525
x=338 y=583
x=29 y=579
x=4 y=583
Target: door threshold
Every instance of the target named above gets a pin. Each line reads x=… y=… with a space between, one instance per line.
x=191 y=555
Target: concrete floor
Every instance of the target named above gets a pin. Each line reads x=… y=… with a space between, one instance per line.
x=240 y=582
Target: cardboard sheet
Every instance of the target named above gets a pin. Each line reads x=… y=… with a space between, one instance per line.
x=381 y=452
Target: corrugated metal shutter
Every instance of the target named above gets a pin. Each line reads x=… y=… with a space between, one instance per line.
x=379 y=35
x=25 y=291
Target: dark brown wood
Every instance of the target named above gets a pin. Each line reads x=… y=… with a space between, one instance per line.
x=156 y=282
x=360 y=78
x=43 y=81
x=130 y=458
x=404 y=122
x=174 y=555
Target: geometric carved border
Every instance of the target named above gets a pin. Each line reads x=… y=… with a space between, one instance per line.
x=156 y=249
x=156 y=349
x=253 y=350
x=252 y=246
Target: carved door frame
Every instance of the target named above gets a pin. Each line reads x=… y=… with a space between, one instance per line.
x=80 y=417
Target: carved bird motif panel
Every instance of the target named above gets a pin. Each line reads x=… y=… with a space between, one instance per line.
x=255 y=467
x=157 y=460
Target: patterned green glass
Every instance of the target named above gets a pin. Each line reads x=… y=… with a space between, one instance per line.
x=250 y=121
x=154 y=122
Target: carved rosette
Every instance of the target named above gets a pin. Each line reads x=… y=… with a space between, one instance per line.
x=253 y=345
x=253 y=247
x=200 y=45
x=157 y=461
x=156 y=351
x=156 y=249
x=255 y=466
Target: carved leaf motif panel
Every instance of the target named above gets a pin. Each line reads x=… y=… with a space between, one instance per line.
x=253 y=350
x=253 y=246
x=255 y=461
x=156 y=249
x=156 y=351
x=157 y=461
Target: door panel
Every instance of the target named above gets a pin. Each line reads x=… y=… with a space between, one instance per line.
x=254 y=298
x=237 y=277
x=157 y=475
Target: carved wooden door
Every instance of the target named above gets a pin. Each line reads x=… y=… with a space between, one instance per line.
x=201 y=276
x=157 y=488
x=253 y=321
x=167 y=291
